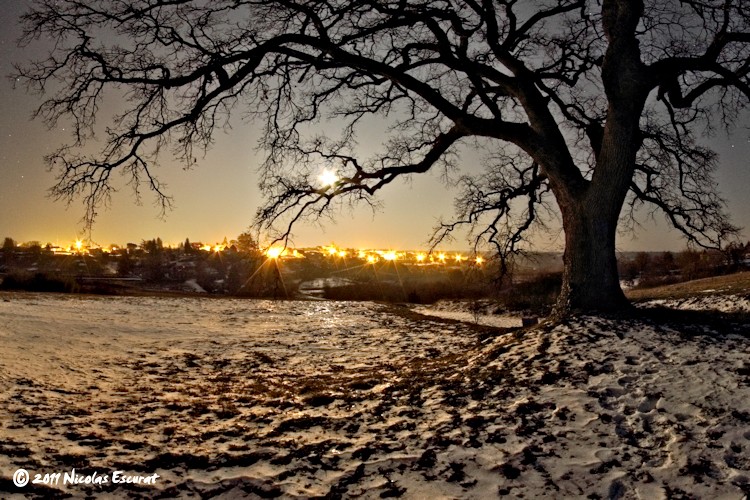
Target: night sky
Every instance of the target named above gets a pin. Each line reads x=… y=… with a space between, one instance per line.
x=219 y=197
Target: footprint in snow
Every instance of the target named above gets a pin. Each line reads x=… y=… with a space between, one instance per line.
x=649 y=403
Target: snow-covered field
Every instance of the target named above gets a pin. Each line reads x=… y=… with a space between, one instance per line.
x=722 y=303
x=480 y=313
x=239 y=398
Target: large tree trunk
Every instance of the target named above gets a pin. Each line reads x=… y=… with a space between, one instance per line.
x=590 y=277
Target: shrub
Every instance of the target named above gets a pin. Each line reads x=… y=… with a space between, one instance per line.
x=537 y=294
x=38 y=282
x=416 y=292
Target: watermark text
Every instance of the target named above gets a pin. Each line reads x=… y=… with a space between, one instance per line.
x=22 y=477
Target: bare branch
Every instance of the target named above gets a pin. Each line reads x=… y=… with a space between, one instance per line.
x=567 y=84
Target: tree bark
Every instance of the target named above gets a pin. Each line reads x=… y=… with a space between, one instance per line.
x=590 y=276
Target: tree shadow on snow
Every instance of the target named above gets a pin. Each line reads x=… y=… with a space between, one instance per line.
x=703 y=322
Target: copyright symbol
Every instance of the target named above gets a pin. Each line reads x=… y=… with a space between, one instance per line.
x=21 y=478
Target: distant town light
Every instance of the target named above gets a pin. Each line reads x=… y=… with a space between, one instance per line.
x=390 y=255
x=421 y=257
x=274 y=252
x=479 y=260
x=371 y=259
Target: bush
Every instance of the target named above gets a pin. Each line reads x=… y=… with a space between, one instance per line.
x=38 y=282
x=536 y=295
x=258 y=278
x=415 y=292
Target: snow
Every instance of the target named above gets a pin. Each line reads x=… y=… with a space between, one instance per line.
x=316 y=287
x=297 y=399
x=715 y=302
x=461 y=311
x=193 y=286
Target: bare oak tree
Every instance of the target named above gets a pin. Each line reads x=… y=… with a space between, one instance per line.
x=596 y=106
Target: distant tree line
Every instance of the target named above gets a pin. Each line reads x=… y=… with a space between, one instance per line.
x=649 y=269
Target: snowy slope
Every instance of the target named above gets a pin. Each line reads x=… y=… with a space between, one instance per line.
x=232 y=398
x=723 y=303
x=459 y=310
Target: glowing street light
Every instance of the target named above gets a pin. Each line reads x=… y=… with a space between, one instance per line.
x=274 y=252
x=79 y=245
x=390 y=255
x=479 y=260
x=421 y=257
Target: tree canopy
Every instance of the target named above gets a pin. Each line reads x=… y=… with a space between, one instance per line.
x=592 y=106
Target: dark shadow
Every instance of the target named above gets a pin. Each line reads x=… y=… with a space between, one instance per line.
x=693 y=323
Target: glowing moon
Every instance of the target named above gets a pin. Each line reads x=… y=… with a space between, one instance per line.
x=328 y=178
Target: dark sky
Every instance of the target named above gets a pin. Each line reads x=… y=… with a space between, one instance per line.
x=219 y=197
